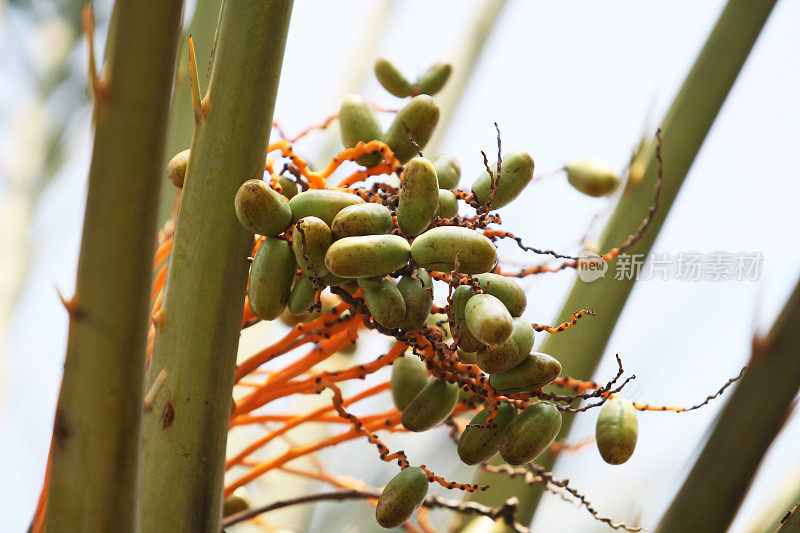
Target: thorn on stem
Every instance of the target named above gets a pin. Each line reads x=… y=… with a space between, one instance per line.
x=71 y=305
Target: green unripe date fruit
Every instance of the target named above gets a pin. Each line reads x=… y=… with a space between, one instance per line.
x=448 y=204
x=437 y=249
x=417 y=291
x=321 y=203
x=302 y=295
x=466 y=341
x=358 y=123
x=488 y=319
x=401 y=497
x=311 y=238
x=506 y=355
x=416 y=121
x=448 y=170
x=535 y=371
x=419 y=197
x=469 y=358
x=234 y=504
x=530 y=433
x=516 y=173
x=386 y=304
x=409 y=377
x=392 y=80
x=431 y=406
x=506 y=289
x=592 y=176
x=432 y=80
x=271 y=277
x=616 y=431
x=176 y=168
x=288 y=187
x=362 y=219
x=480 y=444
x=370 y=284
x=367 y=256
x=262 y=210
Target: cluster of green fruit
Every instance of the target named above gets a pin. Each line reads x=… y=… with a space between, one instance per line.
x=387 y=242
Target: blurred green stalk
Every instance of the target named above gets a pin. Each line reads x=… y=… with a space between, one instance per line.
x=186 y=430
x=753 y=415
x=181 y=122
x=95 y=449
x=684 y=129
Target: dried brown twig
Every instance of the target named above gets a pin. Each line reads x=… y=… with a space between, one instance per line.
x=505 y=512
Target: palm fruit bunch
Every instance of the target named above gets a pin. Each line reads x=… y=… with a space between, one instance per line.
x=384 y=247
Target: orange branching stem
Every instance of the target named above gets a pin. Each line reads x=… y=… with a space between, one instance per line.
x=297 y=420
x=317 y=180
x=565 y=325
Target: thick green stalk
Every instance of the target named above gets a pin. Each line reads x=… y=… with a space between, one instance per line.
x=181 y=123
x=783 y=500
x=198 y=333
x=95 y=449
x=684 y=129
x=750 y=420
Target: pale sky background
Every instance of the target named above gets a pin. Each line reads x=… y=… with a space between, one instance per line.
x=563 y=80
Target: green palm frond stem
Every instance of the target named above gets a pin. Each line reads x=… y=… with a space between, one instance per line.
x=181 y=123
x=95 y=449
x=685 y=127
x=196 y=342
x=750 y=420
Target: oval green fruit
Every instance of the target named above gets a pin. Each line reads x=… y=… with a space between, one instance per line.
x=370 y=284
x=358 y=123
x=261 y=209
x=496 y=359
x=419 y=196
x=409 y=377
x=480 y=444
x=431 y=406
x=288 y=187
x=271 y=277
x=506 y=289
x=592 y=176
x=176 y=168
x=448 y=204
x=469 y=358
x=234 y=504
x=321 y=203
x=448 y=170
x=392 y=80
x=362 y=219
x=516 y=173
x=311 y=238
x=386 y=304
x=437 y=249
x=401 y=497
x=302 y=295
x=432 y=80
x=466 y=341
x=530 y=433
x=416 y=121
x=535 y=371
x=367 y=256
x=417 y=291
x=488 y=319
x=616 y=431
